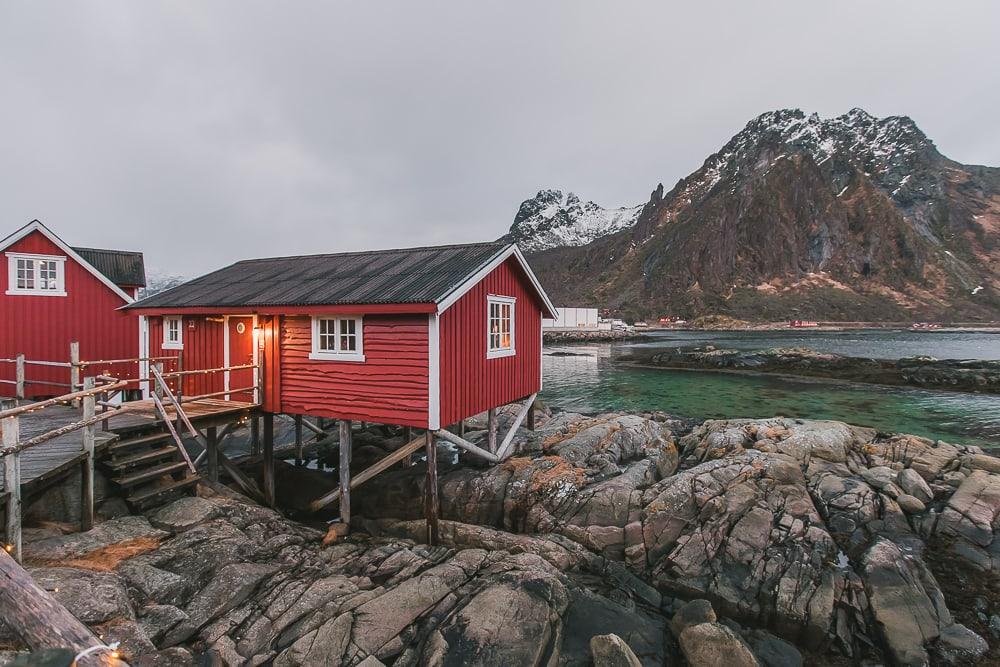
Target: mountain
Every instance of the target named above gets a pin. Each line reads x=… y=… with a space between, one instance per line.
x=551 y=219
x=847 y=218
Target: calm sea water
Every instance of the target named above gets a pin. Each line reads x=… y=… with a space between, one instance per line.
x=588 y=381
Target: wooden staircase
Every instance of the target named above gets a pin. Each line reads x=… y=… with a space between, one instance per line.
x=149 y=469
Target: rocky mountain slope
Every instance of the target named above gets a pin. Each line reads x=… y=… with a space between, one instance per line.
x=848 y=218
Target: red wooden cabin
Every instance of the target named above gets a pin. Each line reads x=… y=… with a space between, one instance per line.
x=52 y=294
x=419 y=337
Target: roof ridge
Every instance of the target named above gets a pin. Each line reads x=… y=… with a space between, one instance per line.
x=119 y=252
x=374 y=252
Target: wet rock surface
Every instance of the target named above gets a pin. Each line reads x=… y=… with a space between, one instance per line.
x=604 y=540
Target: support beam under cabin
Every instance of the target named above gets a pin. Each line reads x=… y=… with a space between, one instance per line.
x=345 y=473
x=268 y=426
x=298 y=440
x=431 y=505
x=254 y=435
x=531 y=415
x=212 y=452
x=87 y=463
x=491 y=427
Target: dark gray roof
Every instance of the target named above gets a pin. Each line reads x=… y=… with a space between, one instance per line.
x=121 y=267
x=411 y=275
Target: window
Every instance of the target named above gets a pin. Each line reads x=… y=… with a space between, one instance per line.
x=500 y=327
x=337 y=339
x=39 y=275
x=173 y=333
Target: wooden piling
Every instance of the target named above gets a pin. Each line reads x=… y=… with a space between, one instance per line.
x=87 y=464
x=19 y=378
x=12 y=485
x=212 y=452
x=461 y=428
x=345 y=472
x=491 y=418
x=531 y=416
x=298 y=440
x=431 y=504
x=268 y=427
x=74 y=369
x=254 y=435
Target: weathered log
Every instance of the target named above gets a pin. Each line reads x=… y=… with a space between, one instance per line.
x=40 y=621
x=467 y=446
x=509 y=438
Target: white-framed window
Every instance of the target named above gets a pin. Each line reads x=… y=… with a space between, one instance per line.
x=337 y=339
x=173 y=332
x=500 y=326
x=37 y=275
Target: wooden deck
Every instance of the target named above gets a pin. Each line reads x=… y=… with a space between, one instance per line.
x=50 y=461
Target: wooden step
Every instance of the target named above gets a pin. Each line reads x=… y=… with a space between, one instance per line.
x=149 y=474
x=142 y=457
x=147 y=495
x=122 y=446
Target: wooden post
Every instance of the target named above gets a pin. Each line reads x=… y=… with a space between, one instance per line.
x=491 y=418
x=431 y=505
x=254 y=435
x=87 y=464
x=269 y=459
x=12 y=485
x=74 y=368
x=19 y=378
x=531 y=416
x=179 y=394
x=408 y=437
x=345 y=472
x=461 y=428
x=34 y=615
x=157 y=387
x=298 y=440
x=212 y=452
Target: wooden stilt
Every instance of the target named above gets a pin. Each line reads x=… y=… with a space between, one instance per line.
x=461 y=428
x=298 y=440
x=531 y=416
x=12 y=485
x=74 y=370
x=254 y=435
x=87 y=464
x=408 y=437
x=491 y=418
x=19 y=378
x=369 y=473
x=345 y=472
x=212 y=440
x=431 y=505
x=269 y=459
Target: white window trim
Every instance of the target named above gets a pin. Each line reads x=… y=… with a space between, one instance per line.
x=12 y=289
x=508 y=300
x=326 y=355
x=179 y=343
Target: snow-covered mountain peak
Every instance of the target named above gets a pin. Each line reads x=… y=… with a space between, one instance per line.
x=552 y=219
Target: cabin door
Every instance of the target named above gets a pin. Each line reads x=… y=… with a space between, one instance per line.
x=240 y=335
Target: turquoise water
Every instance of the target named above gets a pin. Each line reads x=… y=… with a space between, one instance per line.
x=588 y=381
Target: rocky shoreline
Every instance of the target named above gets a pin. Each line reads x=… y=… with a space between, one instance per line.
x=970 y=375
x=620 y=539
x=573 y=336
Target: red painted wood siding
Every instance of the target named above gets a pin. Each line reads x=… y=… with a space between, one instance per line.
x=389 y=387
x=42 y=327
x=471 y=383
x=204 y=347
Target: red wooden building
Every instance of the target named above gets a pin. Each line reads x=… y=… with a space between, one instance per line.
x=52 y=294
x=420 y=337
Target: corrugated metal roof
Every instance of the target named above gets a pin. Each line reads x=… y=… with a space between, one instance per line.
x=410 y=275
x=120 y=266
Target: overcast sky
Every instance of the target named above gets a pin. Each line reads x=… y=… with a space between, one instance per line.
x=206 y=132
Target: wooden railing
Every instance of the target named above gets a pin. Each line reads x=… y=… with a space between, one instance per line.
x=13 y=447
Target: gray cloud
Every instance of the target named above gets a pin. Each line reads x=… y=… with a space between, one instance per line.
x=202 y=133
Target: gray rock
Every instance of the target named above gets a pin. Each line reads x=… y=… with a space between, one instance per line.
x=774 y=652
x=184 y=514
x=713 y=644
x=612 y=651
x=913 y=484
x=958 y=645
x=158 y=619
x=93 y=597
x=692 y=613
x=910 y=504
x=152 y=583
x=77 y=545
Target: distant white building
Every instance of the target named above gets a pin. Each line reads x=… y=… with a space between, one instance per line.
x=576 y=319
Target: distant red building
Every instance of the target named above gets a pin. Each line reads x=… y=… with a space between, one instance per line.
x=52 y=294
x=420 y=337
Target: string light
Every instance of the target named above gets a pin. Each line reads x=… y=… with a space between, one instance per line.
x=9 y=548
x=112 y=648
